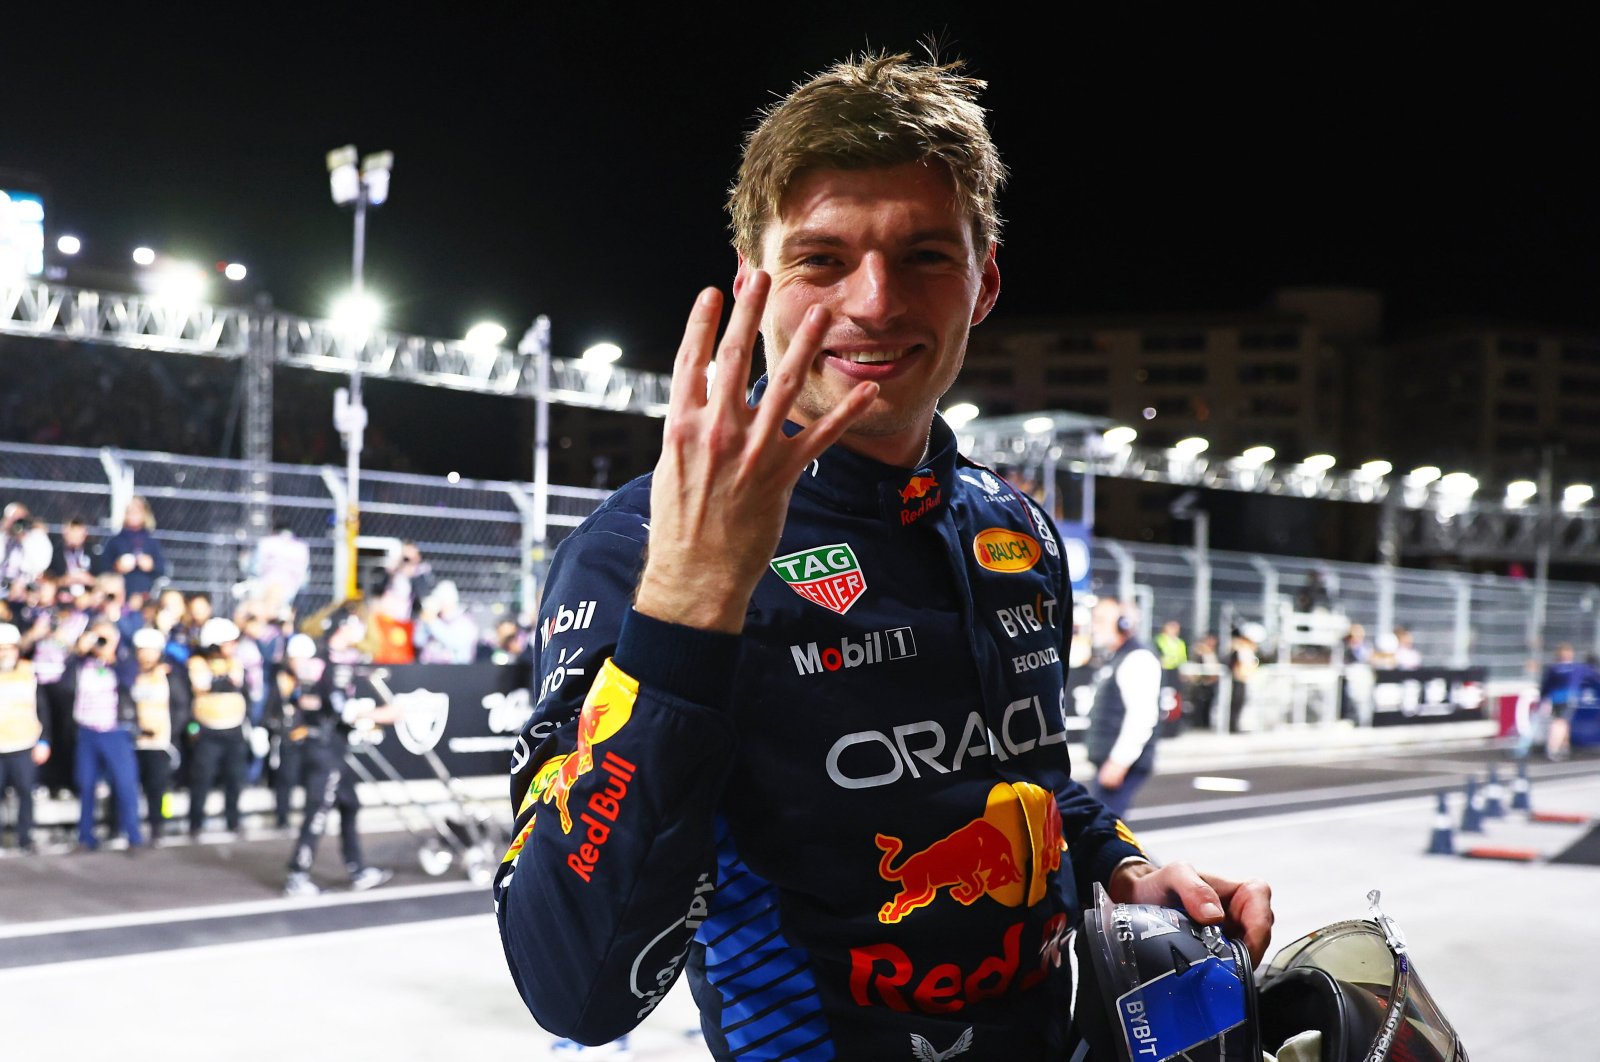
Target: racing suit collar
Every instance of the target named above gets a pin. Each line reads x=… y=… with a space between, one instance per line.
x=846 y=480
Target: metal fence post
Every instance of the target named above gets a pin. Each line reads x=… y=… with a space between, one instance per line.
x=1269 y=593
x=1461 y=647
x=527 y=591
x=1383 y=579
x=341 y=557
x=1124 y=559
x=120 y=479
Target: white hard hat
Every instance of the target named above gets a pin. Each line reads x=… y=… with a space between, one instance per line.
x=300 y=647
x=1255 y=632
x=217 y=630
x=149 y=638
x=9 y=635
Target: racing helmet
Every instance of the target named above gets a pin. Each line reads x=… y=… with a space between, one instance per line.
x=1353 y=985
x=1153 y=984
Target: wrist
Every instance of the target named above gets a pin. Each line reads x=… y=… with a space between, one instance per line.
x=1120 y=885
x=701 y=604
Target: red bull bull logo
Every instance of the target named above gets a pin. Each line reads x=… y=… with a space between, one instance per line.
x=919 y=486
x=607 y=710
x=1007 y=854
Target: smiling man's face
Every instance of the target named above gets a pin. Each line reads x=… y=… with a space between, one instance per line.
x=888 y=252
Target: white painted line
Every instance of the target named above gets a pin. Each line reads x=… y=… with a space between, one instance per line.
x=235 y=910
x=1211 y=783
x=298 y=941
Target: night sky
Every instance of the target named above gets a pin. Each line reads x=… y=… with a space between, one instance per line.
x=575 y=164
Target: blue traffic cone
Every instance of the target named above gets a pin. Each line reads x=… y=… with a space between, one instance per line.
x=1494 y=796
x=1443 y=841
x=1472 y=812
x=1522 y=790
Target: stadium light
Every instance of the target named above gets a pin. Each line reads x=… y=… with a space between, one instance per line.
x=1422 y=476
x=1576 y=496
x=600 y=354
x=179 y=284
x=143 y=256
x=1120 y=437
x=1518 y=491
x=1319 y=463
x=1256 y=456
x=1458 y=483
x=356 y=314
x=1148 y=413
x=69 y=245
x=1038 y=425
x=358 y=189
x=484 y=336
x=961 y=414
x=1191 y=447
x=234 y=271
x=1376 y=469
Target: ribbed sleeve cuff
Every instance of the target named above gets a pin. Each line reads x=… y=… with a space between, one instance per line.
x=693 y=664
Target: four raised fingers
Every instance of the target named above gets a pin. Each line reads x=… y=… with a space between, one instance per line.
x=688 y=389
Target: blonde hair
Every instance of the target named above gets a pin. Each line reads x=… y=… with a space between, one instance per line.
x=872 y=110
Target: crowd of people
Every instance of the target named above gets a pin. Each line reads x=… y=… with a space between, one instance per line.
x=112 y=678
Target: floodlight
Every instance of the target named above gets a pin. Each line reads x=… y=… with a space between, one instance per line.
x=1458 y=483
x=601 y=354
x=1518 y=491
x=69 y=245
x=1119 y=437
x=1038 y=425
x=143 y=256
x=1256 y=456
x=179 y=284
x=375 y=169
x=1423 y=475
x=234 y=271
x=1319 y=462
x=1576 y=496
x=1377 y=469
x=1191 y=447
x=344 y=181
x=356 y=314
x=485 y=335
x=961 y=414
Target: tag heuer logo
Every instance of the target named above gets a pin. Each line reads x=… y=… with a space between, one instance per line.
x=828 y=576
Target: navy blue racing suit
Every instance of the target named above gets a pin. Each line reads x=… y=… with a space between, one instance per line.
x=854 y=824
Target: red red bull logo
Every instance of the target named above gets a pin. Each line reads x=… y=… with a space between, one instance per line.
x=1007 y=854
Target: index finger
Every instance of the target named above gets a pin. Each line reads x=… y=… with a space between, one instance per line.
x=688 y=388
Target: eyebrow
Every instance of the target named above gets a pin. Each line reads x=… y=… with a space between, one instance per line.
x=823 y=238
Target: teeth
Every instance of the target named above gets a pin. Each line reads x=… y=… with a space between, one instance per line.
x=870 y=357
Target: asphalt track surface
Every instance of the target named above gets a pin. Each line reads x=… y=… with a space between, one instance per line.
x=189 y=952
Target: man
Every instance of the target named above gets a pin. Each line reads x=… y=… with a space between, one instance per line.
x=822 y=757
x=331 y=702
x=71 y=562
x=106 y=721
x=1123 y=726
x=1560 y=692
x=24 y=731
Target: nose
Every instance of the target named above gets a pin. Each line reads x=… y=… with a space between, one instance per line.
x=872 y=296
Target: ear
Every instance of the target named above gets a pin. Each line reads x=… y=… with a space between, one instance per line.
x=988 y=286
x=741 y=276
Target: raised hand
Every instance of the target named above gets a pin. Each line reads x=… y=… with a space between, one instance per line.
x=721 y=489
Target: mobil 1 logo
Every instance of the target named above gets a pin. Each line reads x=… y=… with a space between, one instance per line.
x=896 y=643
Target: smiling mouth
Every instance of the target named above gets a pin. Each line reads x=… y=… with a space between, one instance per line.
x=870 y=357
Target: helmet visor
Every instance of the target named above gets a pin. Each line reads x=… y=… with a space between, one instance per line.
x=1374 y=969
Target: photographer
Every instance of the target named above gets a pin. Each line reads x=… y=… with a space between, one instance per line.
x=106 y=721
x=134 y=552
x=331 y=702
x=161 y=704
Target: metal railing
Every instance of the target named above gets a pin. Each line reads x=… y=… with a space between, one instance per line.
x=479 y=534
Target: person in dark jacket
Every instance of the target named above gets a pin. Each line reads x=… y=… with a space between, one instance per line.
x=1123 y=724
x=134 y=552
x=811 y=745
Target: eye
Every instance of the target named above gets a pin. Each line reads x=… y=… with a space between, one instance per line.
x=930 y=256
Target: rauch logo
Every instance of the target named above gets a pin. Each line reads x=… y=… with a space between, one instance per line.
x=829 y=576
x=1000 y=550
